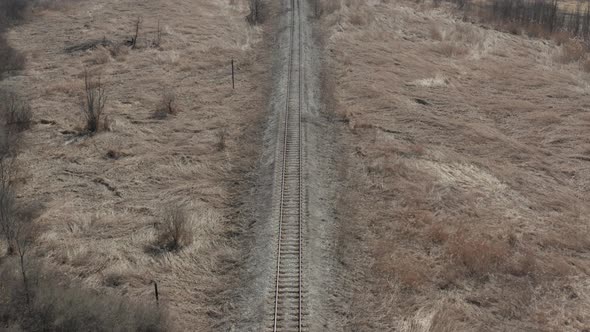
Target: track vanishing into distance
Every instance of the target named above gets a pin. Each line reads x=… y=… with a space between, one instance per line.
x=289 y=293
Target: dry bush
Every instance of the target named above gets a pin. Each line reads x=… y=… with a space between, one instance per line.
x=478 y=256
x=437 y=234
x=221 y=137
x=10 y=59
x=411 y=273
x=15 y=111
x=13 y=10
x=174 y=231
x=360 y=18
x=572 y=51
x=325 y=7
x=167 y=106
x=118 y=51
x=586 y=65
x=436 y=33
x=92 y=106
x=257 y=12
x=100 y=56
x=452 y=49
x=55 y=305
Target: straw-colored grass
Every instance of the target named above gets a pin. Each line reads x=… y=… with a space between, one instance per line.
x=466 y=206
x=104 y=195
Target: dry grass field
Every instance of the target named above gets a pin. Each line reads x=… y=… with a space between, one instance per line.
x=104 y=196
x=468 y=172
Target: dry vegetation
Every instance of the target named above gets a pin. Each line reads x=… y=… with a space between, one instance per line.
x=140 y=200
x=466 y=201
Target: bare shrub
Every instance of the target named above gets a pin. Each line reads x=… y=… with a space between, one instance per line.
x=477 y=255
x=94 y=101
x=157 y=40
x=436 y=234
x=118 y=51
x=12 y=10
x=15 y=112
x=135 y=37
x=221 y=136
x=452 y=49
x=436 y=33
x=174 y=231
x=586 y=65
x=58 y=305
x=411 y=273
x=167 y=106
x=572 y=51
x=257 y=12
x=10 y=59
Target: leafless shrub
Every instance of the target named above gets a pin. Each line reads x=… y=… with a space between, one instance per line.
x=257 y=12
x=436 y=33
x=221 y=136
x=478 y=256
x=94 y=101
x=118 y=51
x=452 y=49
x=10 y=59
x=15 y=111
x=174 y=231
x=134 y=38
x=157 y=41
x=55 y=305
x=167 y=106
x=572 y=51
x=12 y=10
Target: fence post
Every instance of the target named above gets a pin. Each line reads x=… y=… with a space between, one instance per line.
x=156 y=292
x=233 y=86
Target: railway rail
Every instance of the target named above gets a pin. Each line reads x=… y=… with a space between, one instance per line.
x=288 y=291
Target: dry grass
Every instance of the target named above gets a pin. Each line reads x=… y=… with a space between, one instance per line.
x=103 y=194
x=467 y=176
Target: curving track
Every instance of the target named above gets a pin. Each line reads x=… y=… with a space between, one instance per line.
x=288 y=292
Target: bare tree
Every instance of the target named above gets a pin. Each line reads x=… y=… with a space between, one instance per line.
x=24 y=235
x=93 y=103
x=8 y=225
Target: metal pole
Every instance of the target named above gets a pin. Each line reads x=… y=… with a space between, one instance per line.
x=156 y=291
x=233 y=86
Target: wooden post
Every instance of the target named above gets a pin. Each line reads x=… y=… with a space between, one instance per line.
x=233 y=86
x=156 y=291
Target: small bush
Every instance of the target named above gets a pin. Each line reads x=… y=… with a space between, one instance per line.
x=477 y=256
x=572 y=51
x=12 y=10
x=221 y=136
x=174 y=232
x=55 y=305
x=15 y=112
x=10 y=59
x=257 y=12
x=94 y=101
x=167 y=106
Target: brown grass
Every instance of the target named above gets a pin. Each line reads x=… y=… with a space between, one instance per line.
x=101 y=206
x=466 y=173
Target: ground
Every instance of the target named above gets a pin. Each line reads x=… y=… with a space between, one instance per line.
x=104 y=195
x=467 y=172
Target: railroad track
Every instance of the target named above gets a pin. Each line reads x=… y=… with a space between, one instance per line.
x=289 y=293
